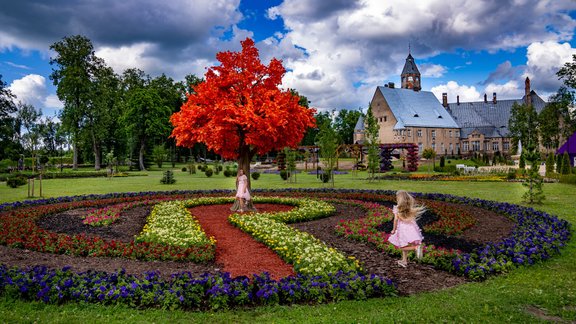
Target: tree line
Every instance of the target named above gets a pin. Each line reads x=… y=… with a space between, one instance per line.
x=107 y=115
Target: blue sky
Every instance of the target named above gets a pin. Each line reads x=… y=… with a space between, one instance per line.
x=336 y=52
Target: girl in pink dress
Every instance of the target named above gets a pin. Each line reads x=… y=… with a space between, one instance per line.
x=242 y=193
x=406 y=234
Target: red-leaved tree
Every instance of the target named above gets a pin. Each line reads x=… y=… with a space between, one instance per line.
x=239 y=110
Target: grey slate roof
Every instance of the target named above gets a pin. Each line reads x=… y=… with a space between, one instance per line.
x=488 y=118
x=359 y=124
x=416 y=109
x=410 y=66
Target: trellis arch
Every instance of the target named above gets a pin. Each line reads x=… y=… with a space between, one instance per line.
x=386 y=155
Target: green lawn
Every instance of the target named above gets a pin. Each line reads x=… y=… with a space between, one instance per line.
x=547 y=289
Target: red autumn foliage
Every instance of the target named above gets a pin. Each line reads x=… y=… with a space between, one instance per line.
x=239 y=110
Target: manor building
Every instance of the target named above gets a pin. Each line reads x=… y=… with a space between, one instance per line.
x=409 y=115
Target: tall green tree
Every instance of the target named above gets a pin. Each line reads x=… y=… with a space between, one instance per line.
x=9 y=146
x=555 y=120
x=146 y=117
x=75 y=64
x=101 y=117
x=372 y=140
x=523 y=124
x=568 y=73
x=311 y=133
x=345 y=123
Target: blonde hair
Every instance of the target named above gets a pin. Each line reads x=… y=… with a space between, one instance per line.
x=407 y=208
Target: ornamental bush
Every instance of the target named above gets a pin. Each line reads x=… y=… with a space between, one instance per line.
x=208 y=172
x=255 y=175
x=17 y=181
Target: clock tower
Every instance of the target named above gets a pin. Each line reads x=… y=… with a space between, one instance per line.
x=410 y=75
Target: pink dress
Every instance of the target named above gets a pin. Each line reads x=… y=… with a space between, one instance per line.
x=407 y=232
x=242 y=184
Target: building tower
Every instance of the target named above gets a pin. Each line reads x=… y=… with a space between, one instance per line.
x=410 y=75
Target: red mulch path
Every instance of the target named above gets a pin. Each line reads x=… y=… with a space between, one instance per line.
x=237 y=251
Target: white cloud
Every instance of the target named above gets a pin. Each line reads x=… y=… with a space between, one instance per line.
x=453 y=89
x=509 y=90
x=544 y=59
x=30 y=89
x=132 y=56
x=52 y=102
x=432 y=70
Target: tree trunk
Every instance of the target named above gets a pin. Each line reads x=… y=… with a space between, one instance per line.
x=97 y=156
x=75 y=156
x=141 y=155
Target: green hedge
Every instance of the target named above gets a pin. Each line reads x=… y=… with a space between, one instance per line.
x=568 y=178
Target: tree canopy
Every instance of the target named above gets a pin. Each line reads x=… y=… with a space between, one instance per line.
x=239 y=110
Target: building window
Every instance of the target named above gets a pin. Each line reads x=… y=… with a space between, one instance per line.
x=495 y=146
x=420 y=148
x=506 y=146
x=409 y=133
x=433 y=133
x=449 y=133
x=457 y=133
x=434 y=146
x=419 y=133
x=385 y=118
x=442 y=148
x=451 y=149
x=465 y=146
x=475 y=146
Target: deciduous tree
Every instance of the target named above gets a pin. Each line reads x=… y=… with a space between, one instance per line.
x=240 y=111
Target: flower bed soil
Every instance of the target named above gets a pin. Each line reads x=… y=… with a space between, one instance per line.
x=490 y=227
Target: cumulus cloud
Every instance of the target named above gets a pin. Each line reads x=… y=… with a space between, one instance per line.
x=30 y=89
x=453 y=89
x=367 y=40
x=432 y=70
x=544 y=59
x=336 y=52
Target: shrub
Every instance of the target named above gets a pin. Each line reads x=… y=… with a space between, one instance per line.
x=17 y=181
x=511 y=174
x=568 y=178
x=168 y=177
x=325 y=177
x=208 y=172
x=284 y=174
x=184 y=169
x=191 y=168
x=565 y=163
x=255 y=175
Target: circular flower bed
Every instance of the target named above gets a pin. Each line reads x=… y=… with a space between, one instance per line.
x=536 y=237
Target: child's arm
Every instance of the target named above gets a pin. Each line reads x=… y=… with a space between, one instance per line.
x=395 y=224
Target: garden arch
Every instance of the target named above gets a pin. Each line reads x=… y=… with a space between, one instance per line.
x=386 y=155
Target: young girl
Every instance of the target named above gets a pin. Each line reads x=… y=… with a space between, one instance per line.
x=406 y=234
x=242 y=193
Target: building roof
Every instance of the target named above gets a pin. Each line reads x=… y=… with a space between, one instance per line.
x=416 y=109
x=410 y=66
x=359 y=124
x=489 y=118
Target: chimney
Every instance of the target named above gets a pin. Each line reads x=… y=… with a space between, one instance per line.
x=458 y=100
x=527 y=96
x=391 y=85
x=494 y=97
x=444 y=99
x=485 y=98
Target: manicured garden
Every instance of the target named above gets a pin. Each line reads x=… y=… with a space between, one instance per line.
x=536 y=238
